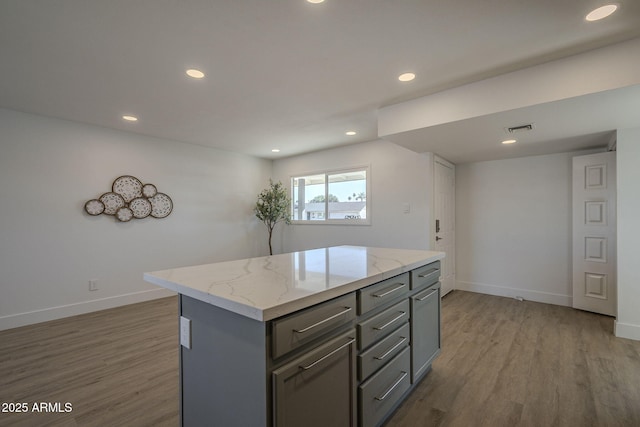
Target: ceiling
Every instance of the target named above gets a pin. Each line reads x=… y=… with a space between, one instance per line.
x=571 y=124
x=287 y=74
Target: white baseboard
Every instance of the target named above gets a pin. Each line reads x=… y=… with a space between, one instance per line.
x=626 y=330
x=503 y=291
x=53 y=313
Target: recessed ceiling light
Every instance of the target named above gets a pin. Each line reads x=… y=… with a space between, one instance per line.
x=315 y=1
x=275 y=150
x=196 y=74
x=350 y=133
x=130 y=118
x=509 y=141
x=601 y=12
x=406 y=77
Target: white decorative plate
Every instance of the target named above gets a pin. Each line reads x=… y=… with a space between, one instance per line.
x=141 y=207
x=124 y=214
x=129 y=187
x=161 y=205
x=94 y=207
x=112 y=202
x=149 y=190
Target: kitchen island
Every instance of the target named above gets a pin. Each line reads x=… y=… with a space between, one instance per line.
x=333 y=336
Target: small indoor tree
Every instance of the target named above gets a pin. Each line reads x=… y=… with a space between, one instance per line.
x=272 y=207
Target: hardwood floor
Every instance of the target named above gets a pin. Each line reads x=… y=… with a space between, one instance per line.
x=116 y=367
x=503 y=363
x=510 y=363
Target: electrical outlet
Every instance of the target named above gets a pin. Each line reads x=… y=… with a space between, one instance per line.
x=185 y=332
x=93 y=285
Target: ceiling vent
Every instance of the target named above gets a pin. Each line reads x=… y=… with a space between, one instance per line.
x=519 y=129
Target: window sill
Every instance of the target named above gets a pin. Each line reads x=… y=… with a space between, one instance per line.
x=332 y=222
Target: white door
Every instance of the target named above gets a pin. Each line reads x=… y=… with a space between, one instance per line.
x=445 y=219
x=594 y=233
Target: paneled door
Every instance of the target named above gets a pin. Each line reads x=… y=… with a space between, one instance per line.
x=445 y=220
x=594 y=233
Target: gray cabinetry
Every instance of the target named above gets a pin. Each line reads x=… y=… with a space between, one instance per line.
x=380 y=393
x=379 y=354
x=425 y=276
x=425 y=330
x=382 y=324
x=384 y=363
x=296 y=330
x=318 y=388
x=349 y=361
x=382 y=293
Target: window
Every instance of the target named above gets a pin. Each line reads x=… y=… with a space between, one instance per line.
x=336 y=197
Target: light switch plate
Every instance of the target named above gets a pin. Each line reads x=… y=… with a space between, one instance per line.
x=185 y=332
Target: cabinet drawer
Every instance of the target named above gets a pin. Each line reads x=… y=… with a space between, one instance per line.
x=381 y=293
x=426 y=275
x=321 y=378
x=382 y=324
x=302 y=327
x=378 y=395
x=382 y=352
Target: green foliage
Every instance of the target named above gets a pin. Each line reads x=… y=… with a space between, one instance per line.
x=273 y=207
x=320 y=198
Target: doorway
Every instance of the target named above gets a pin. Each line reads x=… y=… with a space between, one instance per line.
x=445 y=219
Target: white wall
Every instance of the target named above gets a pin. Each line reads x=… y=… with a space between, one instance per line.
x=50 y=248
x=628 y=177
x=513 y=227
x=397 y=176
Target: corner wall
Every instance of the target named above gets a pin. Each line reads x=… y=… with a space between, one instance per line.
x=513 y=227
x=398 y=176
x=50 y=248
x=628 y=178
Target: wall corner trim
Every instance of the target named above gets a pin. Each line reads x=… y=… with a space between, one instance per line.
x=626 y=330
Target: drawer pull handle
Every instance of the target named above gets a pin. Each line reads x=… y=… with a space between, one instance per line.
x=428 y=272
x=399 y=316
x=384 y=294
x=428 y=295
x=396 y=384
x=391 y=350
x=300 y=331
x=311 y=365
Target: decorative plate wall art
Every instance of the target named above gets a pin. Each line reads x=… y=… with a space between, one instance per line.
x=129 y=187
x=130 y=199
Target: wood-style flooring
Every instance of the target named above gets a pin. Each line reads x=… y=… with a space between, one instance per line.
x=506 y=362
x=503 y=363
x=117 y=367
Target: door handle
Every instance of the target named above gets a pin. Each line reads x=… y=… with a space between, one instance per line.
x=439 y=238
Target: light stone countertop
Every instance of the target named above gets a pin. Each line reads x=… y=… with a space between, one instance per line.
x=265 y=288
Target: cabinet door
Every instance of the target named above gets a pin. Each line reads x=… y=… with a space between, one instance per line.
x=425 y=330
x=318 y=388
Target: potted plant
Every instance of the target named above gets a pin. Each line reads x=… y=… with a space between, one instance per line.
x=272 y=207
